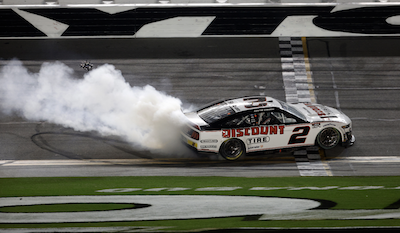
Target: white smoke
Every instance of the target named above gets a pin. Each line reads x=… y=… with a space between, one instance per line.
x=102 y=101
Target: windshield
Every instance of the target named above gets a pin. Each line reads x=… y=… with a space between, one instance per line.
x=292 y=110
x=215 y=112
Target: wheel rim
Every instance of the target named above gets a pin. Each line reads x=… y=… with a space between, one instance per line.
x=232 y=149
x=329 y=138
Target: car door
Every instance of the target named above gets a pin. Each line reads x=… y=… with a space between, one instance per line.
x=249 y=127
x=273 y=131
x=267 y=129
x=261 y=129
x=296 y=132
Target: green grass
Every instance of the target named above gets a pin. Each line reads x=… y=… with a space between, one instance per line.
x=373 y=197
x=345 y=199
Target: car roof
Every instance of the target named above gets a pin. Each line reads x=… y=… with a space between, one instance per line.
x=253 y=103
x=247 y=103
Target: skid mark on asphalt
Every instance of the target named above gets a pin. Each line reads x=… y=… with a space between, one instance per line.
x=41 y=140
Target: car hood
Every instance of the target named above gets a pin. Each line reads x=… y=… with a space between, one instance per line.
x=318 y=113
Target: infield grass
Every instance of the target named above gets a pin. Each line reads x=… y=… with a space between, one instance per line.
x=349 y=193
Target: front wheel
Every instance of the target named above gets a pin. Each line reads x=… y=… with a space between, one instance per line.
x=328 y=138
x=232 y=149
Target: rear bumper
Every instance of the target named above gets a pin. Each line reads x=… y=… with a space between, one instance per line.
x=190 y=143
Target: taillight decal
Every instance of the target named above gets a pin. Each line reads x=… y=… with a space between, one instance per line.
x=192 y=133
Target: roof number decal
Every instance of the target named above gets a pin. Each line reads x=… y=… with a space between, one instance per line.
x=256 y=102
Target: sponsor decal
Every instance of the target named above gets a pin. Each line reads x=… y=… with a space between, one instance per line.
x=208 y=146
x=263 y=110
x=253 y=131
x=209 y=141
x=236 y=108
x=316 y=109
x=258 y=140
x=316 y=125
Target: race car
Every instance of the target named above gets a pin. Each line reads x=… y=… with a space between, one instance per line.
x=235 y=127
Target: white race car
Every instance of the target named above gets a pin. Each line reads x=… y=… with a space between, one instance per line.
x=235 y=127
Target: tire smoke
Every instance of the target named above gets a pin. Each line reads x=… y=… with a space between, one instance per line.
x=102 y=101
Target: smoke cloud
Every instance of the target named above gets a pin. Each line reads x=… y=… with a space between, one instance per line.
x=102 y=101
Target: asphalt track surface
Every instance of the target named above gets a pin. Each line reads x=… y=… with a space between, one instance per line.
x=357 y=75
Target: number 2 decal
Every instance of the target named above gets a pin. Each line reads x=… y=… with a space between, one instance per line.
x=299 y=137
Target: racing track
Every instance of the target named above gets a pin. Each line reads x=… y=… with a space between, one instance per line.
x=357 y=75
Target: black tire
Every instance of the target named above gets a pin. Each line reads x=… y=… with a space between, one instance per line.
x=232 y=149
x=328 y=138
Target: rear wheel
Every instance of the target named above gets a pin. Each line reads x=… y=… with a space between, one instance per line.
x=232 y=149
x=328 y=138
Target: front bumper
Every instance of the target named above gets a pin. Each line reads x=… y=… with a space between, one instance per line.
x=351 y=139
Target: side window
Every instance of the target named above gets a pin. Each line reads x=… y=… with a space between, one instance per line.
x=240 y=120
x=251 y=119
x=283 y=118
x=267 y=118
x=260 y=118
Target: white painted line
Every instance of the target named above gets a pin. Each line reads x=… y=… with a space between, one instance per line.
x=366 y=159
x=2 y=162
x=218 y=189
x=312 y=161
x=337 y=214
x=161 y=207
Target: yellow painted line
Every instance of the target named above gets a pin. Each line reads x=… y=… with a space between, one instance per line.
x=313 y=98
x=324 y=162
x=308 y=71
